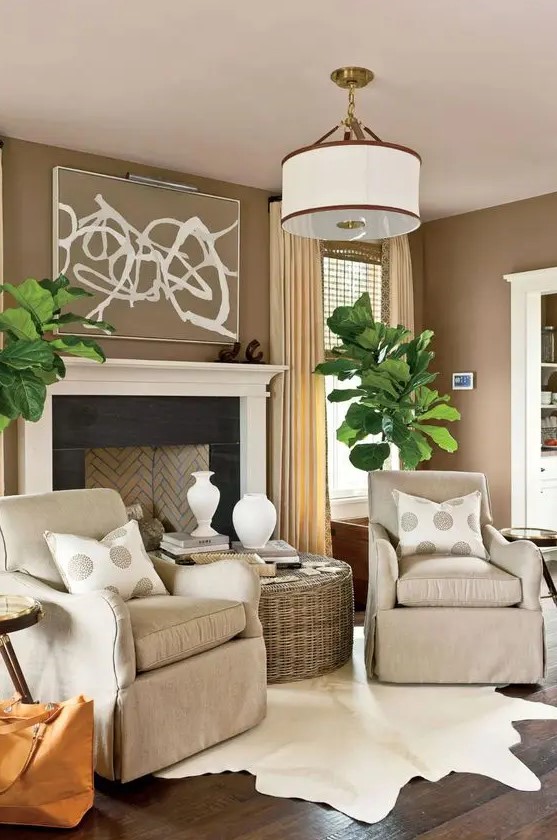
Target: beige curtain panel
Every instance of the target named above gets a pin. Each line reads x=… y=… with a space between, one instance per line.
x=401 y=303
x=298 y=440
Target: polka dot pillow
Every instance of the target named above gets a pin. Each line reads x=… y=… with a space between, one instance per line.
x=118 y=562
x=451 y=527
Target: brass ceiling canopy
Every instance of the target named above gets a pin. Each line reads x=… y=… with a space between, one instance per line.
x=356 y=77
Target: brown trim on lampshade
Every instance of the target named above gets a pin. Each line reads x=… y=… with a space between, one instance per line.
x=351 y=143
x=350 y=207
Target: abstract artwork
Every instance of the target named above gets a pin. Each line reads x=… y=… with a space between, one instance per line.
x=161 y=264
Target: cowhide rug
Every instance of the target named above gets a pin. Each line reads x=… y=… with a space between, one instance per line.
x=354 y=744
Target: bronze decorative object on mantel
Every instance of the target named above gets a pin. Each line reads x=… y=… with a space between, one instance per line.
x=252 y=356
x=230 y=354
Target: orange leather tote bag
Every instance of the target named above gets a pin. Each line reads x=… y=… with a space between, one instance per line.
x=46 y=762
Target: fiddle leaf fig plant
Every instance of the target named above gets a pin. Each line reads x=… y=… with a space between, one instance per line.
x=31 y=357
x=389 y=378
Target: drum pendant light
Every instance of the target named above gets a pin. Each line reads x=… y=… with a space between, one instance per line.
x=357 y=187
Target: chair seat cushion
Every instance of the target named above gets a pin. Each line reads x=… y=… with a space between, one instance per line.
x=436 y=581
x=170 y=629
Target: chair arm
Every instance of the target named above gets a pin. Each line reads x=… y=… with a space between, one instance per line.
x=383 y=568
x=230 y=579
x=83 y=645
x=520 y=558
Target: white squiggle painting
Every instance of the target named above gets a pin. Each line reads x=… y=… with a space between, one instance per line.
x=125 y=263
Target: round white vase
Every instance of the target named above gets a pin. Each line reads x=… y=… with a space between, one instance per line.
x=203 y=499
x=254 y=518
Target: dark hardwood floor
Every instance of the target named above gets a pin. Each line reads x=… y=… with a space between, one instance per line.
x=227 y=807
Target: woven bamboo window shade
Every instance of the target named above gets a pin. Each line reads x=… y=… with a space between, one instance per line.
x=349 y=270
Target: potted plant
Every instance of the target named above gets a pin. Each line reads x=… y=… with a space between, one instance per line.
x=391 y=403
x=31 y=358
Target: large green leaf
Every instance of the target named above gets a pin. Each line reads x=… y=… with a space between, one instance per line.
x=369 y=338
x=424 y=447
x=7 y=406
x=410 y=453
x=336 y=366
x=396 y=368
x=69 y=294
x=420 y=379
x=4 y=422
x=27 y=354
x=70 y=318
x=344 y=394
x=441 y=436
x=378 y=381
x=86 y=348
x=346 y=434
x=49 y=377
x=62 y=292
x=364 y=418
x=54 y=286
x=19 y=323
x=59 y=366
x=28 y=394
x=369 y=456
x=37 y=300
x=441 y=412
x=395 y=429
x=6 y=375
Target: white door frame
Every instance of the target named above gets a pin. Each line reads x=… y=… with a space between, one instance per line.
x=527 y=288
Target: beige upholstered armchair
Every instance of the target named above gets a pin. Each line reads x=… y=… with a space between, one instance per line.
x=170 y=676
x=435 y=619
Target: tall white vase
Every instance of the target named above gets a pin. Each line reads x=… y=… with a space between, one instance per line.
x=254 y=518
x=203 y=499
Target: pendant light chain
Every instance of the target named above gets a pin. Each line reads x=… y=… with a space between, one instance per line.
x=351 y=124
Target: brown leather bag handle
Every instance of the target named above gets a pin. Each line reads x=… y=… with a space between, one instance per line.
x=24 y=723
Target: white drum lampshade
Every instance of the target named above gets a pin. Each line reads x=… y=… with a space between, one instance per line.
x=351 y=189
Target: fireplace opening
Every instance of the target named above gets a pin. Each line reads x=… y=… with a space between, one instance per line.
x=146 y=448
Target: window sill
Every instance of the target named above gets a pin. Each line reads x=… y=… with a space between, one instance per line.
x=352 y=507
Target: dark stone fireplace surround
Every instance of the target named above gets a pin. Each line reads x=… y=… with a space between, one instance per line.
x=88 y=422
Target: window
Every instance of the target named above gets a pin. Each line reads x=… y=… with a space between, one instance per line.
x=349 y=270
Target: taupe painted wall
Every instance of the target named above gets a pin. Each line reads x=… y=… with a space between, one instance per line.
x=467 y=303
x=28 y=247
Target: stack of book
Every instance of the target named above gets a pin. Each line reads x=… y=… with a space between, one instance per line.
x=279 y=552
x=180 y=546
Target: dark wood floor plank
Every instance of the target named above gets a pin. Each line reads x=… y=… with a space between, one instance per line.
x=500 y=818
x=545 y=829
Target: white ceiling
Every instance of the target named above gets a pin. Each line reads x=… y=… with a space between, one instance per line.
x=225 y=88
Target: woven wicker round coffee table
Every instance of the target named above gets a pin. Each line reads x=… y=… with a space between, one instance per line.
x=308 y=623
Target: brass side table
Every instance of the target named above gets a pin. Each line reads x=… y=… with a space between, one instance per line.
x=16 y=613
x=542 y=538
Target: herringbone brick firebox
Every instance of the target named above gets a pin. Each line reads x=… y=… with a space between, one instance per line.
x=156 y=477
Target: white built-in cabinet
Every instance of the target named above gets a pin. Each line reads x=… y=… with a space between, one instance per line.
x=534 y=468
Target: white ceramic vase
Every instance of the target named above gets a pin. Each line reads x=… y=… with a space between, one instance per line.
x=254 y=518
x=203 y=499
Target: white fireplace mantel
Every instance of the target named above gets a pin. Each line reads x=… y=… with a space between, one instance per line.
x=140 y=377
